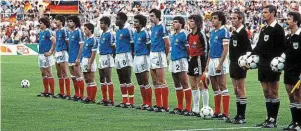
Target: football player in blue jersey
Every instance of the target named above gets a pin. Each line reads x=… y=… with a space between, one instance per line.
x=142 y=61
x=76 y=42
x=61 y=57
x=106 y=61
x=124 y=60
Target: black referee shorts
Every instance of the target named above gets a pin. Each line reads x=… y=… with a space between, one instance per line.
x=291 y=74
x=265 y=73
x=237 y=72
x=196 y=65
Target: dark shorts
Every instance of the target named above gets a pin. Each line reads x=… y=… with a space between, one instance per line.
x=196 y=65
x=237 y=72
x=291 y=74
x=265 y=73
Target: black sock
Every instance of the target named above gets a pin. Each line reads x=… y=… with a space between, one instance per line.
x=274 y=108
x=298 y=113
x=237 y=108
x=293 y=112
x=268 y=107
x=243 y=105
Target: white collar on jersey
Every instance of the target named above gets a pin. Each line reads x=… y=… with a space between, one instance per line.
x=222 y=27
x=273 y=23
x=239 y=28
x=160 y=22
x=297 y=32
x=142 y=29
x=91 y=36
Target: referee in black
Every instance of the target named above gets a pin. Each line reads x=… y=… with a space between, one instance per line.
x=239 y=45
x=292 y=69
x=269 y=46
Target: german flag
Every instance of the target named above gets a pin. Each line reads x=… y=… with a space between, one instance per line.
x=27 y=6
x=63 y=7
x=13 y=18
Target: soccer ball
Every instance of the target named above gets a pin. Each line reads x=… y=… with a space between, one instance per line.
x=252 y=61
x=25 y=83
x=277 y=64
x=206 y=112
x=242 y=61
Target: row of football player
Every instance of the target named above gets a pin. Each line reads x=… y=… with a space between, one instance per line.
x=216 y=66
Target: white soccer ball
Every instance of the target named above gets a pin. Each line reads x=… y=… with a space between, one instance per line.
x=252 y=61
x=277 y=64
x=242 y=61
x=206 y=112
x=283 y=56
x=25 y=83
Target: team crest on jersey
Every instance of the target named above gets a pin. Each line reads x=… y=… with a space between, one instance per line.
x=139 y=39
x=234 y=43
x=296 y=45
x=176 y=42
x=194 y=42
x=103 y=39
x=72 y=37
x=216 y=37
x=266 y=38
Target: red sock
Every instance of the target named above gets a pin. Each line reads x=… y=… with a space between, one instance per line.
x=143 y=94
x=89 y=93
x=131 y=90
x=180 y=96
x=104 y=91
x=158 y=93
x=67 y=85
x=111 y=92
x=94 y=91
x=226 y=102
x=46 y=85
x=165 y=96
x=76 y=89
x=61 y=85
x=148 y=92
x=81 y=87
x=217 y=103
x=51 y=84
x=124 y=93
x=188 y=95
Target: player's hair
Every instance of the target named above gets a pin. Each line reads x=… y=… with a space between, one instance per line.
x=157 y=13
x=240 y=16
x=296 y=16
x=221 y=16
x=197 y=19
x=122 y=16
x=142 y=19
x=106 y=20
x=61 y=19
x=271 y=8
x=45 y=21
x=90 y=27
x=181 y=20
x=75 y=19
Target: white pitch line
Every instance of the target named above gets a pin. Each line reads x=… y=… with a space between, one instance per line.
x=211 y=129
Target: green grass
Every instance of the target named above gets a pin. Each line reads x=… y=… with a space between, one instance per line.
x=22 y=110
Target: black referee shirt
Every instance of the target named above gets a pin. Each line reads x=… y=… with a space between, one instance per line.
x=270 y=43
x=293 y=49
x=239 y=44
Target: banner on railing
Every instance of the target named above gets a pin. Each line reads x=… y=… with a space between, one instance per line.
x=21 y=49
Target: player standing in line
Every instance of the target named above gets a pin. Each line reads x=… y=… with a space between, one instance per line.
x=76 y=42
x=217 y=65
x=142 y=60
x=124 y=60
x=179 y=67
x=106 y=62
x=158 y=58
x=292 y=68
x=88 y=64
x=197 y=62
x=269 y=46
x=61 y=57
x=45 y=58
x=239 y=45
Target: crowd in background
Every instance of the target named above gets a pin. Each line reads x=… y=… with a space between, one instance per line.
x=27 y=27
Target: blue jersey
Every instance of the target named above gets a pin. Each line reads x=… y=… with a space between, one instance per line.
x=159 y=32
x=141 y=40
x=44 y=41
x=217 y=37
x=124 y=39
x=61 y=36
x=178 y=46
x=76 y=37
x=90 y=45
x=106 y=42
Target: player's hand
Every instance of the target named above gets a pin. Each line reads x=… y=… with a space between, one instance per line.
x=77 y=62
x=47 y=53
x=206 y=69
x=89 y=68
x=167 y=61
x=218 y=69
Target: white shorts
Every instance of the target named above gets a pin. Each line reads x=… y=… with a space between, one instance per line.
x=45 y=61
x=106 y=61
x=178 y=65
x=84 y=65
x=213 y=63
x=158 y=60
x=61 y=56
x=141 y=63
x=123 y=60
